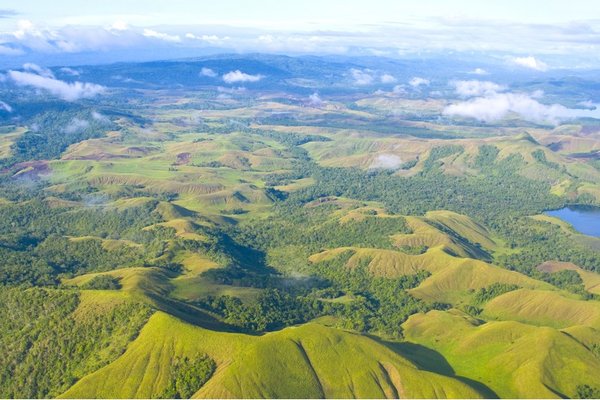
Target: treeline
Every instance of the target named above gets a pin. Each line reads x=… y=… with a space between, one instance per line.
x=51 y=133
x=188 y=375
x=539 y=241
x=36 y=244
x=46 y=349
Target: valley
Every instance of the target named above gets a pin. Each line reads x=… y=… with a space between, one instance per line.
x=214 y=241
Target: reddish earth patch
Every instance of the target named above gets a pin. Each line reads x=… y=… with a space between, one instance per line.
x=97 y=157
x=138 y=150
x=32 y=169
x=589 y=130
x=183 y=158
x=555 y=266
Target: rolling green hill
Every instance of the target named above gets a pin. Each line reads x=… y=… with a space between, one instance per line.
x=307 y=361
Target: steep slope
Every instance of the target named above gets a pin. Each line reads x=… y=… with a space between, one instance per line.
x=308 y=361
x=543 y=308
x=452 y=278
x=514 y=359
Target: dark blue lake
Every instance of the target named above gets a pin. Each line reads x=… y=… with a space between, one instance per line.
x=585 y=219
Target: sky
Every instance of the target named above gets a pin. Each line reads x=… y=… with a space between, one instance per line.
x=549 y=28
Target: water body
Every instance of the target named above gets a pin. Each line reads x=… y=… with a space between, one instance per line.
x=585 y=219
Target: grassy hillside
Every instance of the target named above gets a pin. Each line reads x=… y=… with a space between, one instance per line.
x=306 y=361
x=364 y=245
x=512 y=358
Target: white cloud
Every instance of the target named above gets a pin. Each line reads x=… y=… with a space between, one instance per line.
x=208 y=72
x=162 y=36
x=417 y=81
x=233 y=90
x=315 y=100
x=66 y=91
x=38 y=70
x=587 y=104
x=6 y=107
x=362 y=77
x=9 y=51
x=76 y=125
x=100 y=117
x=119 y=25
x=399 y=90
x=387 y=78
x=70 y=71
x=479 y=71
x=476 y=88
x=498 y=105
x=239 y=76
x=386 y=161
x=210 y=39
x=537 y=94
x=530 y=62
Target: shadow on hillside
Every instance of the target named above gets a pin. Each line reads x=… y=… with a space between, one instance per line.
x=432 y=361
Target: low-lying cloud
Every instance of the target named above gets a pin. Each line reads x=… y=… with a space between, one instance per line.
x=530 y=62
x=418 y=81
x=315 y=100
x=476 y=88
x=362 y=77
x=161 y=36
x=239 y=76
x=70 y=71
x=387 y=78
x=44 y=79
x=208 y=72
x=6 y=107
x=386 y=161
x=497 y=106
x=76 y=125
x=100 y=117
x=38 y=70
x=479 y=71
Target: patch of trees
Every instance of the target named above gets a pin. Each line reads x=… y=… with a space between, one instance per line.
x=587 y=392
x=45 y=349
x=486 y=156
x=103 y=282
x=486 y=294
x=314 y=229
x=37 y=244
x=188 y=375
x=273 y=309
x=540 y=156
x=539 y=241
x=52 y=132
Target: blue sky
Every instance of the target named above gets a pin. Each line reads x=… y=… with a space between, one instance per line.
x=381 y=27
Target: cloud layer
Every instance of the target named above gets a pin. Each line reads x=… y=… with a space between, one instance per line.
x=239 y=76
x=530 y=62
x=476 y=88
x=386 y=161
x=418 y=81
x=488 y=103
x=42 y=78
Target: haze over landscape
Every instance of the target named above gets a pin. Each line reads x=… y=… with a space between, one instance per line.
x=325 y=199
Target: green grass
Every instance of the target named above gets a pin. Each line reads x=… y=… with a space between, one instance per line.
x=452 y=278
x=540 y=307
x=307 y=361
x=513 y=359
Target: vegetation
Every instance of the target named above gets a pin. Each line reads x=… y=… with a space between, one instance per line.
x=164 y=237
x=103 y=282
x=47 y=345
x=188 y=376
